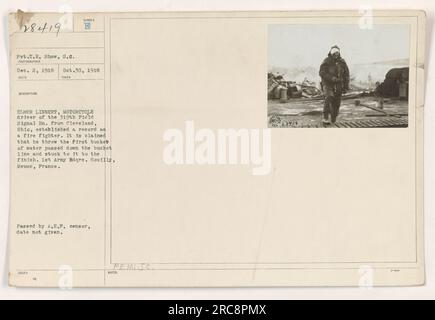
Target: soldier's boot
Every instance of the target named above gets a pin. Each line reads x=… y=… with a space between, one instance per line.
x=327 y=111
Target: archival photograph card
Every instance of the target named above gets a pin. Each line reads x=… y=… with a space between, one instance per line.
x=216 y=149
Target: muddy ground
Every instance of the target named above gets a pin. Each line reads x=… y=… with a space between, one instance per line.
x=308 y=113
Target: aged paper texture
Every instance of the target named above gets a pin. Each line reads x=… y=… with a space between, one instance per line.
x=217 y=149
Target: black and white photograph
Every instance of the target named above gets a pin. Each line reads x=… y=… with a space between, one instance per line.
x=341 y=76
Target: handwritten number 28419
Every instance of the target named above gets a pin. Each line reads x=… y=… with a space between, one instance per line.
x=42 y=28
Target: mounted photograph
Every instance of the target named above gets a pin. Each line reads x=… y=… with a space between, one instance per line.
x=338 y=76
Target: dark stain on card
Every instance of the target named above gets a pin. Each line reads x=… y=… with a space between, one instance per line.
x=22 y=17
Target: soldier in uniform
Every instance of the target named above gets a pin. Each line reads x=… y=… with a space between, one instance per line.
x=334 y=74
